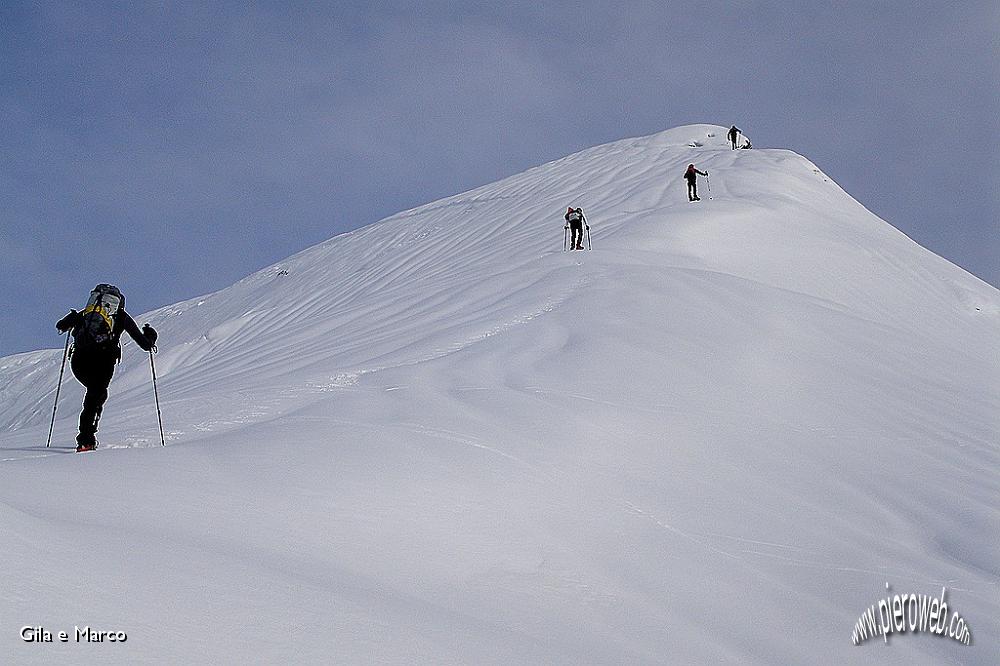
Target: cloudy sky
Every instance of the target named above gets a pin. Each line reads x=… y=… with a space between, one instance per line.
x=174 y=147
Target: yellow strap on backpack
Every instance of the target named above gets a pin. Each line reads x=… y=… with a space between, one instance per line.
x=96 y=307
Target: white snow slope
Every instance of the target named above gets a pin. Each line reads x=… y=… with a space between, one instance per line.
x=440 y=439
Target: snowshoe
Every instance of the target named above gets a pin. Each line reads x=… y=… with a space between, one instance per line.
x=80 y=448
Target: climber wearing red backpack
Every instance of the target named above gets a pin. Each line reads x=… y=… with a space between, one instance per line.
x=691 y=175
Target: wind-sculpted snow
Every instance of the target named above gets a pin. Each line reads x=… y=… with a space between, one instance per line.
x=440 y=438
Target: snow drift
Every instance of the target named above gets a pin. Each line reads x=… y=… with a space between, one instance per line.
x=439 y=438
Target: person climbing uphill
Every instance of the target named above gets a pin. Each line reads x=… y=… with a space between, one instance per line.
x=734 y=133
x=691 y=175
x=575 y=221
x=96 y=334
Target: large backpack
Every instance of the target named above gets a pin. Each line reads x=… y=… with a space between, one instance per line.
x=97 y=323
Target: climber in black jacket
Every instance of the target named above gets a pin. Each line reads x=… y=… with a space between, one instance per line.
x=97 y=333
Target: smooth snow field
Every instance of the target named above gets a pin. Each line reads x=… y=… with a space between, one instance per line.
x=440 y=439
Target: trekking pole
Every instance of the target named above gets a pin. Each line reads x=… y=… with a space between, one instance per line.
x=58 y=387
x=565 y=232
x=586 y=226
x=156 y=396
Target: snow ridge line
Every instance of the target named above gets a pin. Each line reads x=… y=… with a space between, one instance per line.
x=255 y=411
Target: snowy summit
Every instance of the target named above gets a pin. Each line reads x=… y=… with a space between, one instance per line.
x=713 y=438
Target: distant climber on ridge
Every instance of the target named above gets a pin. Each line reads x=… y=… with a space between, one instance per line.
x=96 y=333
x=575 y=222
x=734 y=133
x=691 y=175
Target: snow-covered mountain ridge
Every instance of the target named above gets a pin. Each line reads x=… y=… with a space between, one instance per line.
x=775 y=220
x=440 y=437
